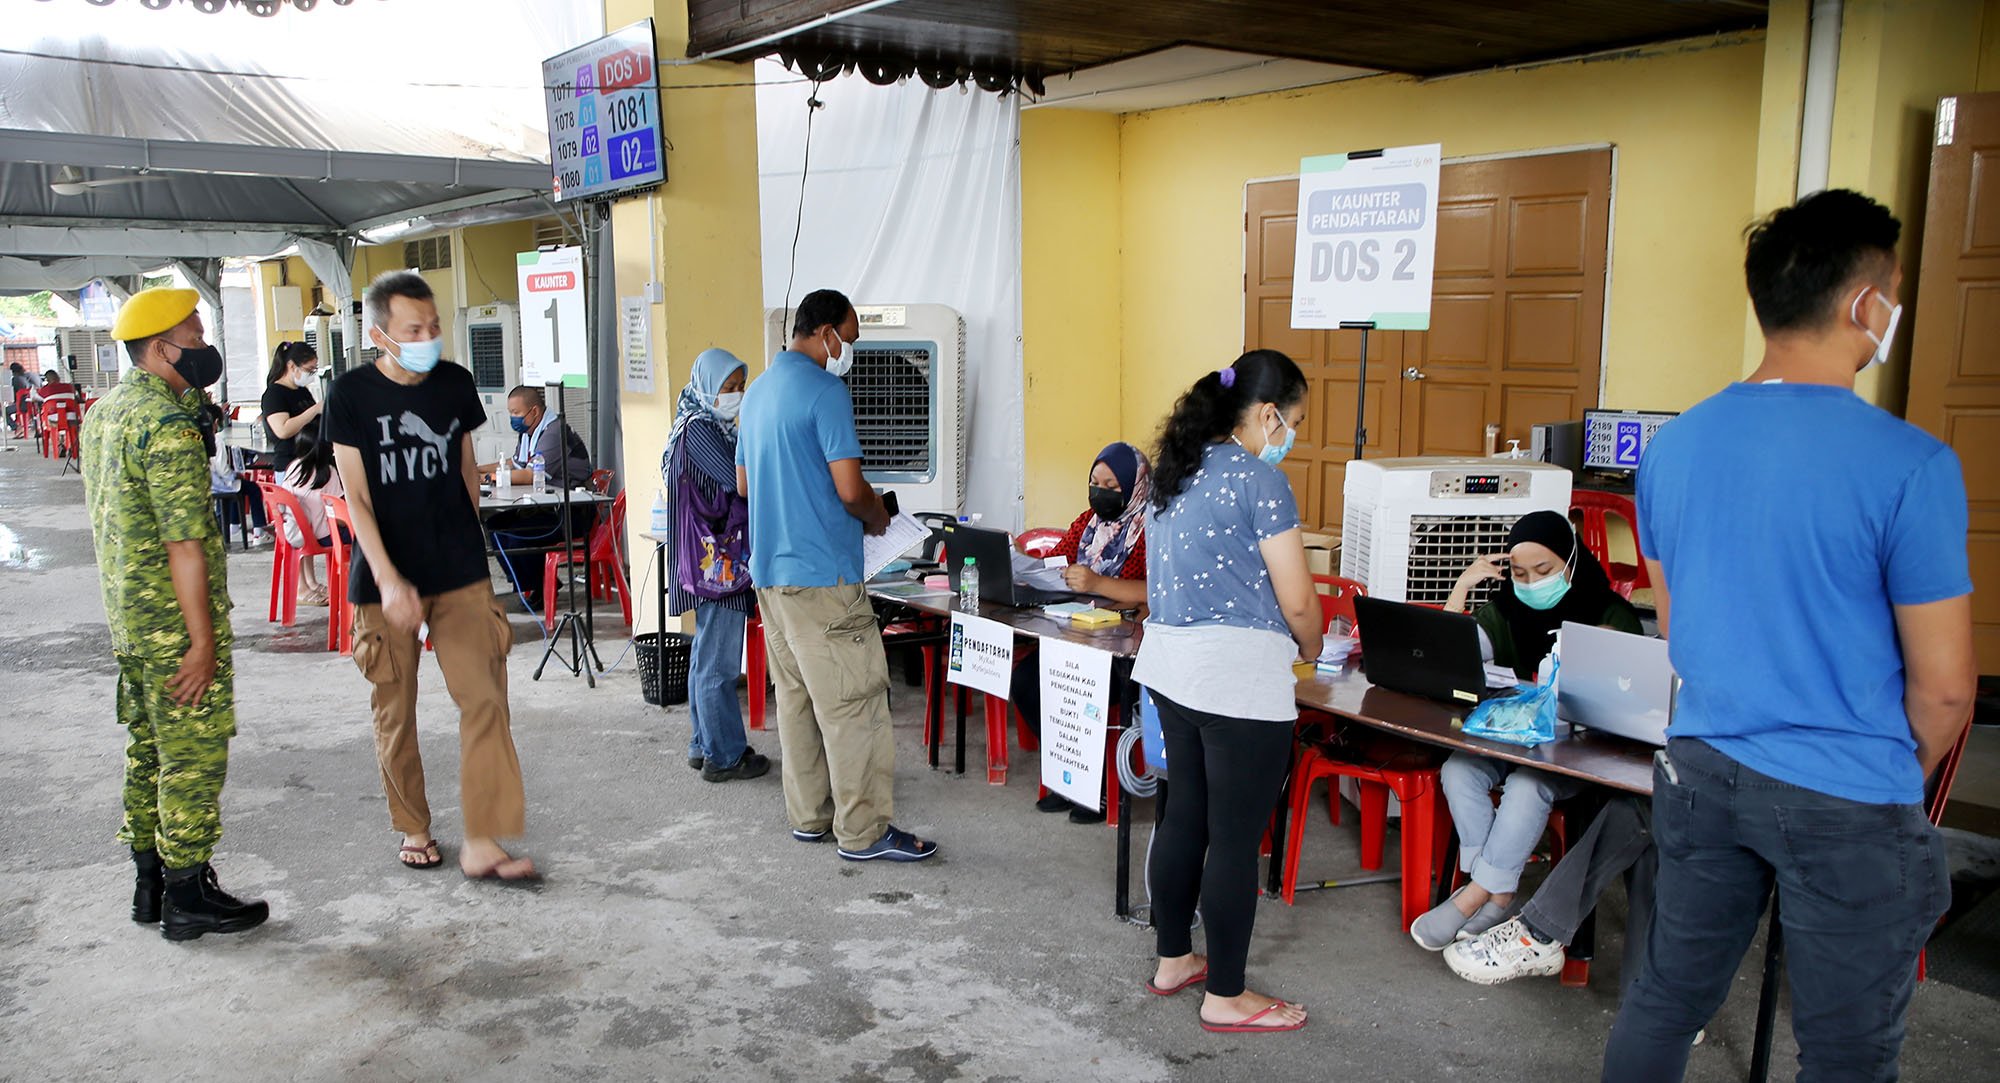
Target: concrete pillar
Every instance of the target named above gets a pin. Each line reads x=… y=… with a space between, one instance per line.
x=696 y=239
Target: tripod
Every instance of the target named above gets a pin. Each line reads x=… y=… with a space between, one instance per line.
x=574 y=626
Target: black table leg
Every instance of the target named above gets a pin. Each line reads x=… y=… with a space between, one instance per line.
x=1274 y=880
x=959 y=699
x=934 y=701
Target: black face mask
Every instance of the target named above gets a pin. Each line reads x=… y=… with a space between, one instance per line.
x=1109 y=504
x=200 y=366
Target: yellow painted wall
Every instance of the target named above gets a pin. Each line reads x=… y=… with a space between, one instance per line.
x=487 y=253
x=698 y=236
x=1070 y=310
x=1989 y=48
x=1683 y=117
x=1897 y=58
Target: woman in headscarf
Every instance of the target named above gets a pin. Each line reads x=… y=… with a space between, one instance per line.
x=1550 y=578
x=1106 y=550
x=698 y=470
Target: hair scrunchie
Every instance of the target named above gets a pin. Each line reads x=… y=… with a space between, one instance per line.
x=1228 y=376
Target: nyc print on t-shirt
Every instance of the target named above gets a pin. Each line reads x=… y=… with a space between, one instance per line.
x=425 y=460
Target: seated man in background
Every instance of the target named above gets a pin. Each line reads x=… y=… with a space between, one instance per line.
x=523 y=535
x=55 y=387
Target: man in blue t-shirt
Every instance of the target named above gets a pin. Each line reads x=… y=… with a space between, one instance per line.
x=1808 y=552
x=798 y=462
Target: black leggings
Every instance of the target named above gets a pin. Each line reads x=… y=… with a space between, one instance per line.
x=1224 y=775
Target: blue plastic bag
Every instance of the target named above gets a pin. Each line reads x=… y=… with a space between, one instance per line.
x=1526 y=717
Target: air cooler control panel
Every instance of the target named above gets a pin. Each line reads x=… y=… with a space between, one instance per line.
x=1451 y=483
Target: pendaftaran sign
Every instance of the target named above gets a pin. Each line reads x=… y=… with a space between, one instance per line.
x=1367 y=239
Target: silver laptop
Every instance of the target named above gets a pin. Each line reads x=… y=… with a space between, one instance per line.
x=1616 y=682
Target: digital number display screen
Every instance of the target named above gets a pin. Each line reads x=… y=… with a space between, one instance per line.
x=604 y=115
x=1482 y=485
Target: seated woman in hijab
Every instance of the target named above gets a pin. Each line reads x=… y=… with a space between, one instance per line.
x=1106 y=550
x=1550 y=578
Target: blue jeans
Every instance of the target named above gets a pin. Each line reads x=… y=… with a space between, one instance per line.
x=718 y=658
x=1494 y=844
x=1860 y=888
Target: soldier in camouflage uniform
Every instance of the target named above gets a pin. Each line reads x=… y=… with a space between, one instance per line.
x=166 y=597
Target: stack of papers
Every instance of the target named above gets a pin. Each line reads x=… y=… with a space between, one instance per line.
x=878 y=552
x=1337 y=647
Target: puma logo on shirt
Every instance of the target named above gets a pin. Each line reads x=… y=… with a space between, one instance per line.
x=429 y=460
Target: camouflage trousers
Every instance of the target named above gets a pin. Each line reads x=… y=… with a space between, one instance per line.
x=175 y=759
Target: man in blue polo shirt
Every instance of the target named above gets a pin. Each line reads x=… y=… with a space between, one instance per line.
x=1809 y=556
x=798 y=462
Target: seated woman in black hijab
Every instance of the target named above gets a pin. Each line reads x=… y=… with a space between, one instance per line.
x=1550 y=578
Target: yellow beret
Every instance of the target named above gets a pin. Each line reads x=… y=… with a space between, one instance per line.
x=150 y=312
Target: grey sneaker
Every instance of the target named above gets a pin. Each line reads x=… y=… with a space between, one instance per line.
x=1484 y=918
x=1435 y=928
x=1503 y=953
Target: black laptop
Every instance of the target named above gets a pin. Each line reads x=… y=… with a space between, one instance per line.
x=1423 y=651
x=996 y=568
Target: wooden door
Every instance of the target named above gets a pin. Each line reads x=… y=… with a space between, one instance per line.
x=1517 y=308
x=1955 y=358
x=1317 y=465
x=1517 y=320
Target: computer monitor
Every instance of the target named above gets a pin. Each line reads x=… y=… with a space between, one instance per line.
x=1614 y=440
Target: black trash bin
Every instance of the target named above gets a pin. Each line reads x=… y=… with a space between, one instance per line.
x=663 y=666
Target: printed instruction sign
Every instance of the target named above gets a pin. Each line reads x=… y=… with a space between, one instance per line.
x=1367 y=239
x=555 y=344
x=1076 y=711
x=982 y=655
x=635 y=327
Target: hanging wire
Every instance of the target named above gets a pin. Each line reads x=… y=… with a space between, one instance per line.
x=813 y=105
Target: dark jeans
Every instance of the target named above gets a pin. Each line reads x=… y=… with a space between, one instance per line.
x=1619 y=842
x=1223 y=787
x=1860 y=888
x=1026 y=687
x=232 y=510
x=523 y=537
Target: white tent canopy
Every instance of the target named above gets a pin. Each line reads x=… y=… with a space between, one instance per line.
x=132 y=138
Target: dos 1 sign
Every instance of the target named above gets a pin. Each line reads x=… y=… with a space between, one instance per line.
x=603 y=103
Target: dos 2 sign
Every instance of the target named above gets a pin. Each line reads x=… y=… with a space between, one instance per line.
x=1367 y=239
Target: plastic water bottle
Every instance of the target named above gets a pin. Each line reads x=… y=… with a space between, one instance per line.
x=968 y=586
x=541 y=470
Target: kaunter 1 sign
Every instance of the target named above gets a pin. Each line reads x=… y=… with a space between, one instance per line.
x=1367 y=239
x=555 y=346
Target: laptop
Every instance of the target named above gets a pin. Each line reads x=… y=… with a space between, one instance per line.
x=996 y=568
x=1423 y=651
x=1616 y=682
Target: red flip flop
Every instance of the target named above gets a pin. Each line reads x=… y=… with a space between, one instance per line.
x=1247 y=1026
x=1198 y=977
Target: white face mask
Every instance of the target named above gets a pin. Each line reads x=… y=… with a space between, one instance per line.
x=1888 y=338
x=840 y=364
x=728 y=405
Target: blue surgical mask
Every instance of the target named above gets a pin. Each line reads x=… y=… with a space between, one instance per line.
x=518 y=424
x=1543 y=594
x=417 y=357
x=1275 y=453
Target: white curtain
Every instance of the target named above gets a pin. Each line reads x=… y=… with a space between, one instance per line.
x=913 y=196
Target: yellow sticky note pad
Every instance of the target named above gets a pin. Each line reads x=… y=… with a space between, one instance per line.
x=1095 y=618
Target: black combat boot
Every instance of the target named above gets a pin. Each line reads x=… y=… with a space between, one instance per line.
x=196 y=904
x=151 y=883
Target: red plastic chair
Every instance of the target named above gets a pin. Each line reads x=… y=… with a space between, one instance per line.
x=61 y=428
x=756 y=669
x=604 y=568
x=1039 y=542
x=1336 y=598
x=1934 y=809
x=25 y=414
x=1413 y=778
x=340 y=562
x=284 y=555
x=1590 y=509
x=600 y=482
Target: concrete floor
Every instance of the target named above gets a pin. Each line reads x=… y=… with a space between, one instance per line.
x=682 y=934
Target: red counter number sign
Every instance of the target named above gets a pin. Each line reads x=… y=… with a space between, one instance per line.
x=628 y=68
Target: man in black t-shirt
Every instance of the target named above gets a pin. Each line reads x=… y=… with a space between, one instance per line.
x=401 y=431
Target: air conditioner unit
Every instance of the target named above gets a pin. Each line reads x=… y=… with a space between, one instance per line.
x=99 y=360
x=489 y=344
x=908 y=386
x=1410 y=526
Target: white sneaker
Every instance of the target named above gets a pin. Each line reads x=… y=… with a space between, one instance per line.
x=1503 y=953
